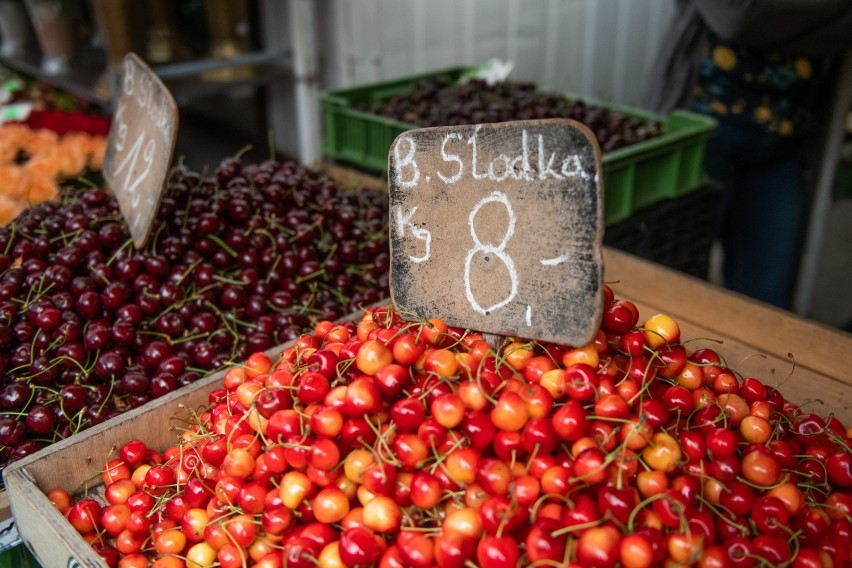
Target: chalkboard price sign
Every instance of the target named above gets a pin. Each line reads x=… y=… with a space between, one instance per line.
x=498 y=228
x=140 y=145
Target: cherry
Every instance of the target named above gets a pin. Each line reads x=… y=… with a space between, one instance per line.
x=44 y=316
x=358 y=547
x=740 y=552
x=725 y=468
x=493 y=551
x=570 y=421
x=721 y=442
x=678 y=399
x=737 y=497
x=839 y=469
x=110 y=364
x=40 y=419
x=619 y=503
x=408 y=414
x=770 y=516
x=133 y=453
x=26 y=448
x=98 y=335
x=74 y=398
x=14 y=396
x=479 y=429
x=835 y=548
x=599 y=546
x=12 y=432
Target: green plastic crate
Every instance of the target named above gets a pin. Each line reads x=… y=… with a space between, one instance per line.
x=17 y=557
x=634 y=177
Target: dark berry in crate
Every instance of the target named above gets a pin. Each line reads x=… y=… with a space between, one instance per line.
x=241 y=260
x=444 y=103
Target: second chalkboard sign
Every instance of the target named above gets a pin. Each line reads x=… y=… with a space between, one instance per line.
x=499 y=227
x=140 y=145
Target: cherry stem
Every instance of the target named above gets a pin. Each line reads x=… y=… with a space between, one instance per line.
x=540 y=501
x=718 y=513
x=778 y=483
x=577 y=527
x=223 y=245
x=631 y=520
x=549 y=562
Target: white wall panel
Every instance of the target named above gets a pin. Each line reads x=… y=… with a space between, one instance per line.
x=442 y=30
x=396 y=37
x=599 y=48
x=364 y=39
x=569 y=41
x=490 y=27
x=632 y=43
x=530 y=33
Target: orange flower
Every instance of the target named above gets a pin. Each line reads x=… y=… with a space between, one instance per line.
x=15 y=135
x=44 y=165
x=41 y=189
x=70 y=159
x=9 y=209
x=50 y=159
x=98 y=149
x=40 y=142
x=13 y=181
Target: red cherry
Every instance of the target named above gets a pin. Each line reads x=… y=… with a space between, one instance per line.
x=358 y=547
x=770 y=516
x=85 y=515
x=619 y=503
x=541 y=546
x=497 y=551
x=839 y=468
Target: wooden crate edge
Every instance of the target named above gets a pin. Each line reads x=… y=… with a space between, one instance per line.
x=59 y=543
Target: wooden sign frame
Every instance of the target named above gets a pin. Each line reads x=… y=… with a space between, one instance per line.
x=140 y=145
x=499 y=228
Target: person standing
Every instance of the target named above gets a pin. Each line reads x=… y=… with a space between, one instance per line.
x=763 y=70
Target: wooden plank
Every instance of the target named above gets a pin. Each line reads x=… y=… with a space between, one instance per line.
x=351 y=178
x=37 y=520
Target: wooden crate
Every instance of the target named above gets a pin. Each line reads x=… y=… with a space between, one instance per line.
x=755 y=340
x=75 y=462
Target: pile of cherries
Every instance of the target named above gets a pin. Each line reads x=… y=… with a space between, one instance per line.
x=239 y=261
x=441 y=102
x=394 y=443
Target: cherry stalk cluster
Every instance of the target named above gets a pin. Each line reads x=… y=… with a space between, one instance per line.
x=396 y=444
x=239 y=261
x=441 y=102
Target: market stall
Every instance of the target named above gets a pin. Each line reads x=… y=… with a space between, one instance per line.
x=478 y=333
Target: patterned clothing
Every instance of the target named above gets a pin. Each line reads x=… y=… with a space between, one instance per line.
x=762 y=101
x=772 y=90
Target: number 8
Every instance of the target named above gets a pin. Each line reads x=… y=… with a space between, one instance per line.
x=499 y=251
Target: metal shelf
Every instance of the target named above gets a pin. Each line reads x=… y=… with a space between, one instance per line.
x=87 y=78
x=203 y=77
x=84 y=79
